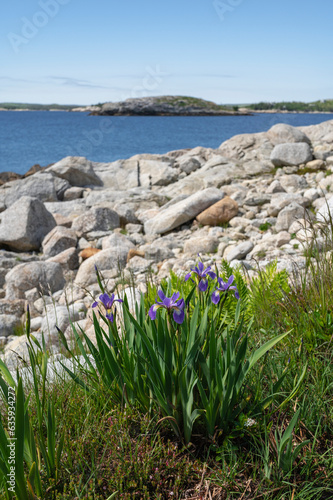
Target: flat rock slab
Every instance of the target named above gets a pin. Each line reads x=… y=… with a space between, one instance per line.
x=183 y=211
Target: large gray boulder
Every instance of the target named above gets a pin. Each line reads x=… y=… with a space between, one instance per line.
x=236 y=146
x=25 y=224
x=183 y=211
x=161 y=173
x=59 y=239
x=322 y=132
x=41 y=185
x=45 y=276
x=96 y=219
x=247 y=147
x=291 y=154
x=77 y=170
x=122 y=175
x=282 y=133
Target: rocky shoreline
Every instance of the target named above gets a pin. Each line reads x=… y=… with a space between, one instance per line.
x=244 y=202
x=167 y=106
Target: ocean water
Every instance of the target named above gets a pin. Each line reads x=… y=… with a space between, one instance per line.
x=44 y=137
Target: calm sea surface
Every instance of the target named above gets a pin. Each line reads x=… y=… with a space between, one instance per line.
x=44 y=137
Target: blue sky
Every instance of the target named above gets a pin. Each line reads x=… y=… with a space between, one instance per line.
x=228 y=51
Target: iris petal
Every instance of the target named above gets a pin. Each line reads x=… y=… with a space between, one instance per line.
x=211 y=274
x=161 y=295
x=201 y=267
x=106 y=300
x=203 y=285
x=215 y=297
x=230 y=280
x=178 y=315
x=152 y=312
x=180 y=304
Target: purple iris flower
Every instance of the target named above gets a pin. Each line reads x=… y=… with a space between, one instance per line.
x=201 y=275
x=169 y=304
x=224 y=287
x=107 y=302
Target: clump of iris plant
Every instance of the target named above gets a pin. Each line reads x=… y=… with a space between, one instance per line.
x=200 y=274
x=107 y=302
x=171 y=304
x=224 y=287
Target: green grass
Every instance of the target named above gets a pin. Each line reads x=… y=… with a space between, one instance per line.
x=113 y=448
x=110 y=448
x=265 y=226
x=185 y=101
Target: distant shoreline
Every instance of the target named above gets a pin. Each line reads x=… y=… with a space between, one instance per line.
x=178 y=105
x=248 y=112
x=286 y=112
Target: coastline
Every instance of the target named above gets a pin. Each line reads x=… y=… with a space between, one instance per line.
x=286 y=112
x=248 y=112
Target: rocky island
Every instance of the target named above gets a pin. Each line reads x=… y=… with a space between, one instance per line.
x=167 y=106
x=247 y=202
